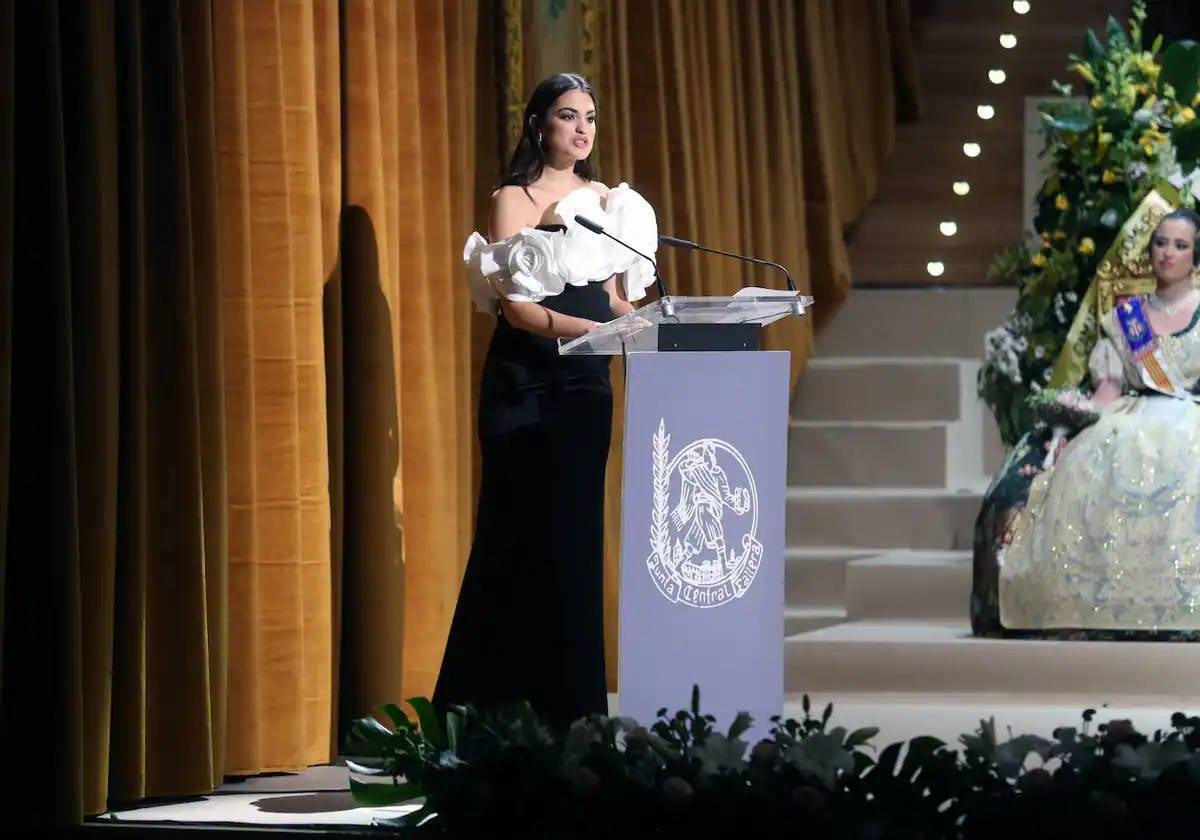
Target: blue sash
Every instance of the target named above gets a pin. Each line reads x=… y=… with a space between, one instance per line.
x=1143 y=346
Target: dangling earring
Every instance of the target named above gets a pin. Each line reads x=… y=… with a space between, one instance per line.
x=539 y=138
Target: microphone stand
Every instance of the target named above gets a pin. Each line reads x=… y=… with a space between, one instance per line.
x=688 y=245
x=664 y=300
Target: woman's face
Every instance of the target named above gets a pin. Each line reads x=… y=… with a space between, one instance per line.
x=570 y=126
x=1171 y=250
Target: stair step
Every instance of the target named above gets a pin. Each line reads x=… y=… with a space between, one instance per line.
x=885 y=519
x=816 y=577
x=939 y=658
x=825 y=454
x=909 y=586
x=878 y=389
x=800 y=620
x=916 y=322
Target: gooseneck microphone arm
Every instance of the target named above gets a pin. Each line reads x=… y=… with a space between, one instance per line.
x=668 y=307
x=692 y=246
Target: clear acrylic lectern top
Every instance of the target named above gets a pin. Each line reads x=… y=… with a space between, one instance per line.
x=637 y=331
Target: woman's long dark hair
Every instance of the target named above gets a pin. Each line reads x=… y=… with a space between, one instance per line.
x=529 y=158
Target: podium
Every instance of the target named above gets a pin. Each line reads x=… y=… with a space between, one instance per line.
x=703 y=503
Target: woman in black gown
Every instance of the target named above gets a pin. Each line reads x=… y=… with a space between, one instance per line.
x=529 y=620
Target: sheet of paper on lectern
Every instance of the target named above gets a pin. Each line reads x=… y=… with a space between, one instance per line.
x=759 y=291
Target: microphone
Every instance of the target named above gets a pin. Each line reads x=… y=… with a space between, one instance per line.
x=687 y=245
x=668 y=306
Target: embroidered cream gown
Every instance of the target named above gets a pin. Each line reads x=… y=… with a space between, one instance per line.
x=1110 y=536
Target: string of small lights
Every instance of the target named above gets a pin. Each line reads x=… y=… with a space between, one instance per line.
x=972 y=148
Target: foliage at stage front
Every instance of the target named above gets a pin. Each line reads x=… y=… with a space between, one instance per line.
x=504 y=773
x=1130 y=126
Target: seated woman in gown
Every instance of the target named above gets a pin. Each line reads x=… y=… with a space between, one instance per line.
x=1100 y=538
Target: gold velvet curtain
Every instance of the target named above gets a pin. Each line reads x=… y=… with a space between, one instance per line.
x=237 y=360
x=234 y=380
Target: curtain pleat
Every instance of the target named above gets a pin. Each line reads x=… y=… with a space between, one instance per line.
x=8 y=96
x=43 y=625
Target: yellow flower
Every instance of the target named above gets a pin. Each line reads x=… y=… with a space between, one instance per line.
x=1196 y=99
x=1059 y=236
x=1103 y=140
x=1061 y=202
x=1148 y=66
x=1086 y=246
x=1045 y=239
x=1109 y=177
x=1085 y=71
x=1037 y=261
x=1150 y=139
x=1185 y=115
x=1096 y=102
x=1143 y=89
x=1149 y=103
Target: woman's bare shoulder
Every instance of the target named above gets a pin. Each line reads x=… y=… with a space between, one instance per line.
x=510 y=195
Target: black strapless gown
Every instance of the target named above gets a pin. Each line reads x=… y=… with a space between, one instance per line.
x=529 y=624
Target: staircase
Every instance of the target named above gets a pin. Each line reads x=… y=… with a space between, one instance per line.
x=959 y=44
x=889 y=456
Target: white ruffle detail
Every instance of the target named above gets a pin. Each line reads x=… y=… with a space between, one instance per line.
x=534 y=264
x=632 y=219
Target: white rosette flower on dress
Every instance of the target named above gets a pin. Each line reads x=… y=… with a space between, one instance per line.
x=632 y=219
x=535 y=264
x=525 y=267
x=534 y=268
x=475 y=250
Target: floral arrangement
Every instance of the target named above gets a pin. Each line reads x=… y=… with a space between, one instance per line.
x=1135 y=126
x=503 y=773
x=1068 y=408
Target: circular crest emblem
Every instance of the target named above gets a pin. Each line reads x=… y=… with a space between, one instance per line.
x=703 y=549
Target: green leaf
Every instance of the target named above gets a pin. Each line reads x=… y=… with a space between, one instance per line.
x=1076 y=122
x=1181 y=70
x=368 y=766
x=695 y=699
x=405 y=820
x=887 y=758
x=1157 y=45
x=397 y=717
x=368 y=732
x=454 y=727
x=431 y=727
x=861 y=736
x=1093 y=50
x=381 y=796
x=1116 y=34
x=740 y=724
x=1187 y=145
x=1060 y=88
x=920 y=750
